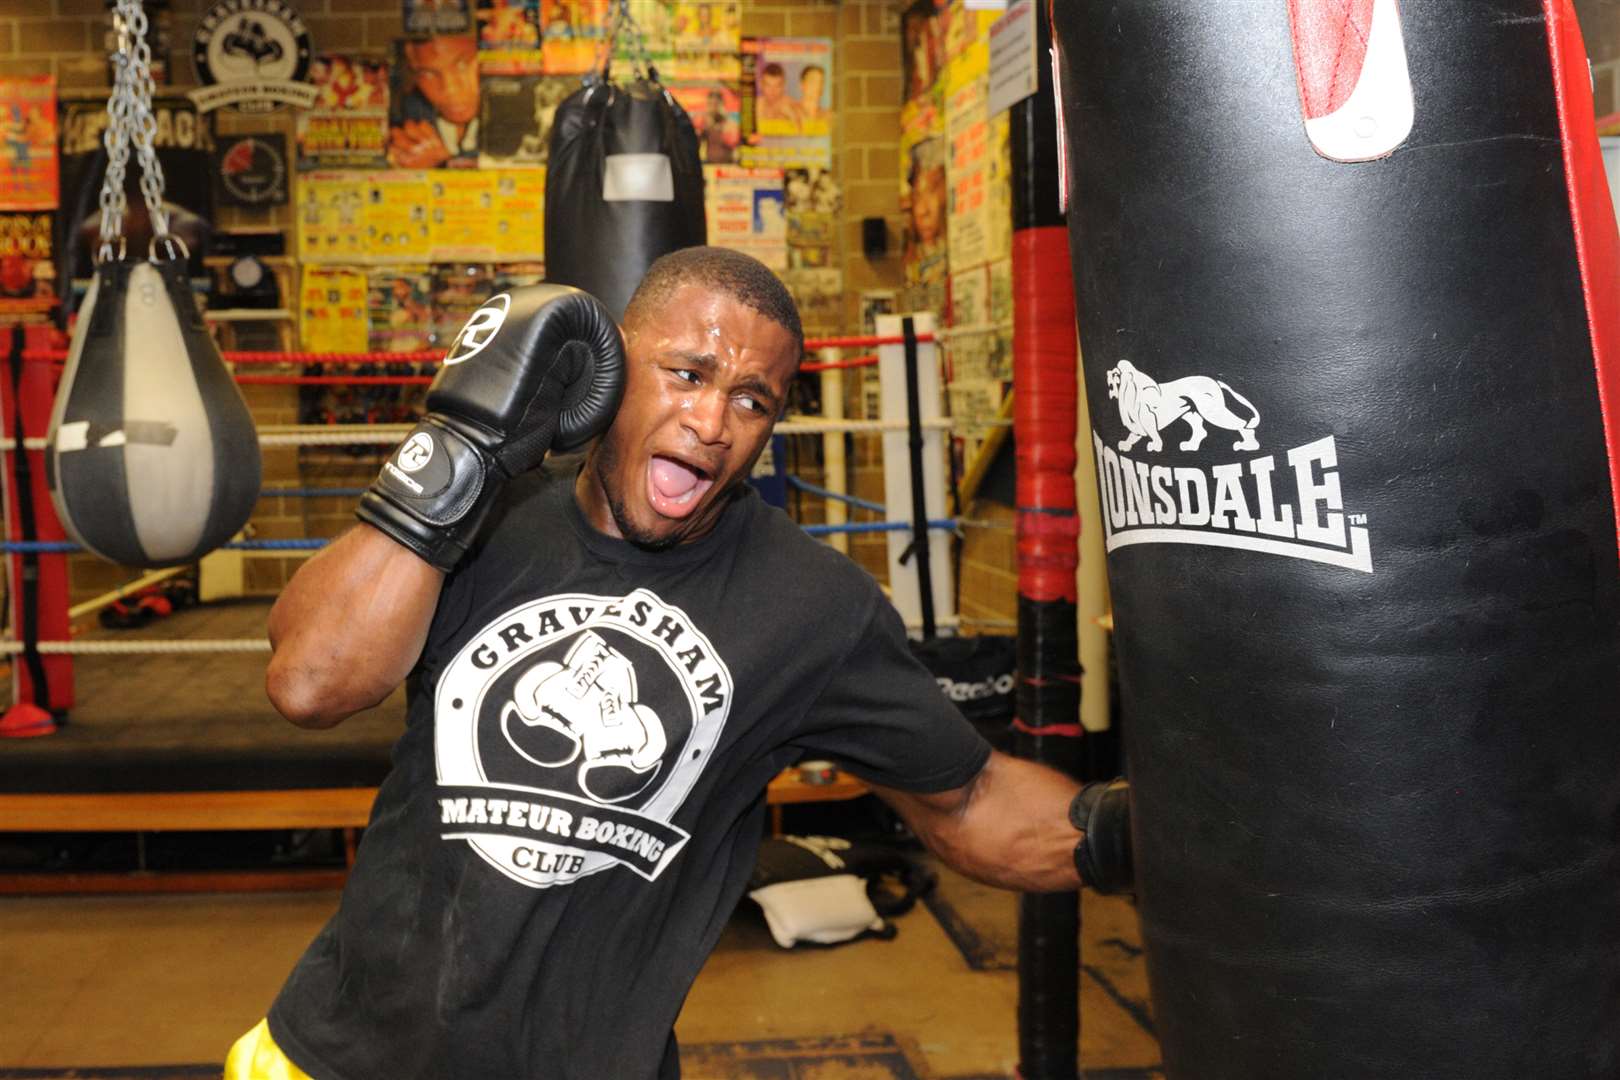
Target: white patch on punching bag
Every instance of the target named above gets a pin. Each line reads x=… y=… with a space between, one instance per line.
x=637 y=178
x=171 y=485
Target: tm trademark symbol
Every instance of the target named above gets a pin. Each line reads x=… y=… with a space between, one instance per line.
x=1358 y=519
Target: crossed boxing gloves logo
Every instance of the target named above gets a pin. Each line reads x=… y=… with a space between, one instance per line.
x=589 y=700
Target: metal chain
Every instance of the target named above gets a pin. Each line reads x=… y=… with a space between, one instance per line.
x=116 y=139
x=131 y=120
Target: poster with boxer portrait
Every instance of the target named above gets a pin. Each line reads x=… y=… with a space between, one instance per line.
x=433 y=103
x=715 y=111
x=28 y=142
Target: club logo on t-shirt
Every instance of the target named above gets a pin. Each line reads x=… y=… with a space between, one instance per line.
x=570 y=730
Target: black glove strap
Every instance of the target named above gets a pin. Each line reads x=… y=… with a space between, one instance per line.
x=433 y=493
x=1102 y=811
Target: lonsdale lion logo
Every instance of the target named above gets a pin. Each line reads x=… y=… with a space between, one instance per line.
x=1286 y=502
x=1147 y=407
x=569 y=731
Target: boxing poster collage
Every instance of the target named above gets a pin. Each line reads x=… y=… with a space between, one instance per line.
x=954 y=190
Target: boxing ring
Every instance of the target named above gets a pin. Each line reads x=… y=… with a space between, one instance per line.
x=181 y=747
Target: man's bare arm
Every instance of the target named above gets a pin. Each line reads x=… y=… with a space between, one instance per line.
x=1008 y=826
x=348 y=628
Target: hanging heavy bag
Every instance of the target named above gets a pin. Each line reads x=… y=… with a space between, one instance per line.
x=1348 y=303
x=624 y=185
x=152 y=458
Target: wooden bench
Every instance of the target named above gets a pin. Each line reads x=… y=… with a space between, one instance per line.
x=347 y=809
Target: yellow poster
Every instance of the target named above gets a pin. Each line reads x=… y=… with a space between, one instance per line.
x=520 y=209
x=461 y=215
x=397 y=217
x=967 y=128
x=332 y=217
x=332 y=306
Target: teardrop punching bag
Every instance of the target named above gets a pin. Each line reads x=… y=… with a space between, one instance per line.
x=152 y=457
x=1350 y=318
x=624 y=185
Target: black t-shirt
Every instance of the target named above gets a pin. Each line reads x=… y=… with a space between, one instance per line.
x=575 y=805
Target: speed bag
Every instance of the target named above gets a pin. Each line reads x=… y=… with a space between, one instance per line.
x=152 y=459
x=624 y=185
x=1346 y=283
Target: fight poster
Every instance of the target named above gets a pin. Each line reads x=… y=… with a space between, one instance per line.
x=509 y=37
x=812 y=201
x=746 y=213
x=819 y=294
x=399 y=311
x=332 y=218
x=27 y=271
x=715 y=110
x=458 y=290
x=516 y=113
x=571 y=34
x=787 y=102
x=967 y=130
x=332 y=310
x=422 y=18
x=28 y=175
x=397 y=216
x=433 y=103
x=461 y=219
x=520 y=215
x=348 y=126
x=706 y=39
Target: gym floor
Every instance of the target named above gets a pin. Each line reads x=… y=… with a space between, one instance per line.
x=158 y=987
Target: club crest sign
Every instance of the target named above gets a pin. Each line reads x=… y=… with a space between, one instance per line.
x=570 y=730
x=253 y=54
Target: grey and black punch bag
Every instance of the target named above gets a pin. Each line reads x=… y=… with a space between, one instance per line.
x=624 y=185
x=152 y=458
x=1348 y=303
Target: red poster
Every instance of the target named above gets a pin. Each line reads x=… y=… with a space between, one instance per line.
x=28 y=143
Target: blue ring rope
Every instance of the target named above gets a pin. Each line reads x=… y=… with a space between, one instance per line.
x=812 y=489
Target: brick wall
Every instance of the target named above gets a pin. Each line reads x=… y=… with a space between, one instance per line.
x=66 y=38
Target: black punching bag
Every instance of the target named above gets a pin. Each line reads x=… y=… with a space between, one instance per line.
x=1346 y=281
x=152 y=457
x=624 y=185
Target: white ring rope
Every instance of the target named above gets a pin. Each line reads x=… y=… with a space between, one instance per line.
x=327 y=435
x=151 y=645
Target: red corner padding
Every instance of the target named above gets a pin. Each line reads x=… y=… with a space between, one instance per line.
x=1597 y=243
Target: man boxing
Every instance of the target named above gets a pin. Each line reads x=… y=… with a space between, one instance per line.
x=606 y=664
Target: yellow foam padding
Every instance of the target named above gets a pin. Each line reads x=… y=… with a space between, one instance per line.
x=257 y=1057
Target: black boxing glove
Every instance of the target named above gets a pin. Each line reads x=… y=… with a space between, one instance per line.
x=533 y=368
x=1102 y=810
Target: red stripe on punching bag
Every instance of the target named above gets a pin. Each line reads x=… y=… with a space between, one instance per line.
x=1044 y=413
x=1597 y=244
x=1330 y=44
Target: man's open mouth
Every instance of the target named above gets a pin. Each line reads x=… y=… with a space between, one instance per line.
x=676 y=486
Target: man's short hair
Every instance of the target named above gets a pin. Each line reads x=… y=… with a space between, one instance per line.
x=742 y=277
x=774 y=70
x=808 y=68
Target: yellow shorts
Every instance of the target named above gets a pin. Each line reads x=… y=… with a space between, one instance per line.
x=257 y=1057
